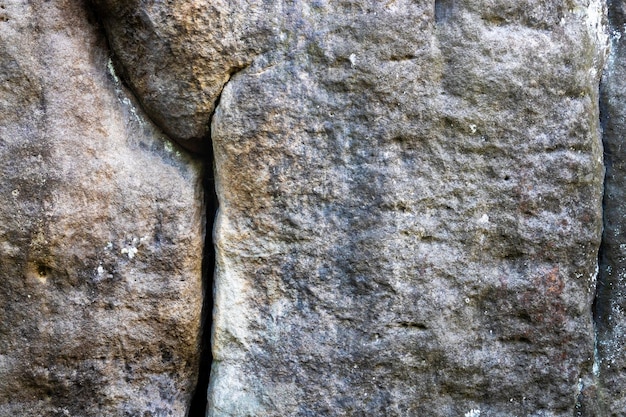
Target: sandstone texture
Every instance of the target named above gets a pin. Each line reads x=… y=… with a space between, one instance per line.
x=410 y=207
x=410 y=212
x=177 y=56
x=611 y=301
x=410 y=197
x=101 y=231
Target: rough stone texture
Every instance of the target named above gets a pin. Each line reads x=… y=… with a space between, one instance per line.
x=101 y=231
x=177 y=56
x=410 y=207
x=410 y=212
x=610 y=307
x=410 y=197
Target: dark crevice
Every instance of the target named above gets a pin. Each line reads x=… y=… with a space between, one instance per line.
x=604 y=282
x=199 y=400
x=604 y=291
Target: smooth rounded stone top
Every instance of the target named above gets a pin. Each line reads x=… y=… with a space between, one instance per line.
x=177 y=56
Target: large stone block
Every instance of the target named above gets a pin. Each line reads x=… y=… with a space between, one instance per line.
x=410 y=212
x=101 y=231
x=410 y=203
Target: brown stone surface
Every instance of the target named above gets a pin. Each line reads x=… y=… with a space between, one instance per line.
x=101 y=231
x=410 y=197
x=410 y=207
x=177 y=56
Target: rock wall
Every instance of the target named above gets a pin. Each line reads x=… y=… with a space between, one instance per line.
x=101 y=231
x=410 y=207
x=410 y=213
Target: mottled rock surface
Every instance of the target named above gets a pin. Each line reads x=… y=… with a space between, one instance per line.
x=410 y=207
x=610 y=307
x=101 y=231
x=410 y=197
x=410 y=212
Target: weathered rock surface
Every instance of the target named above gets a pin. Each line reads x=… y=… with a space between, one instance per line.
x=611 y=301
x=410 y=213
x=410 y=208
x=101 y=231
x=177 y=56
x=410 y=197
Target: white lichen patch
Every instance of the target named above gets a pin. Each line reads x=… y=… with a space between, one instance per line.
x=133 y=110
x=352 y=59
x=111 y=70
x=121 y=95
x=132 y=247
x=474 y=412
x=131 y=252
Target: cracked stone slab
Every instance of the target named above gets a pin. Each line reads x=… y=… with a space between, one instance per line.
x=101 y=231
x=410 y=197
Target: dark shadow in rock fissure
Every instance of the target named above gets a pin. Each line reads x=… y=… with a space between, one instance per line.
x=199 y=400
x=607 y=283
x=603 y=293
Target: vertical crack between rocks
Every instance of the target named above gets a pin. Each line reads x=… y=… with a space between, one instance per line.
x=602 y=296
x=198 y=405
x=199 y=401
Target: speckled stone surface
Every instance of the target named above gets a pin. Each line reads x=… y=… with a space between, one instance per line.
x=101 y=231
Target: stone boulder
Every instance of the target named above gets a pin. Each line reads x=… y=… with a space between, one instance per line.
x=101 y=231
x=410 y=207
x=410 y=212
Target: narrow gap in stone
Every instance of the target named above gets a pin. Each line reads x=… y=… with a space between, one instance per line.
x=602 y=297
x=602 y=293
x=199 y=400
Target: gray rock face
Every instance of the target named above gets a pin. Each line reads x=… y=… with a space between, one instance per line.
x=410 y=208
x=410 y=213
x=410 y=198
x=101 y=232
x=611 y=302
